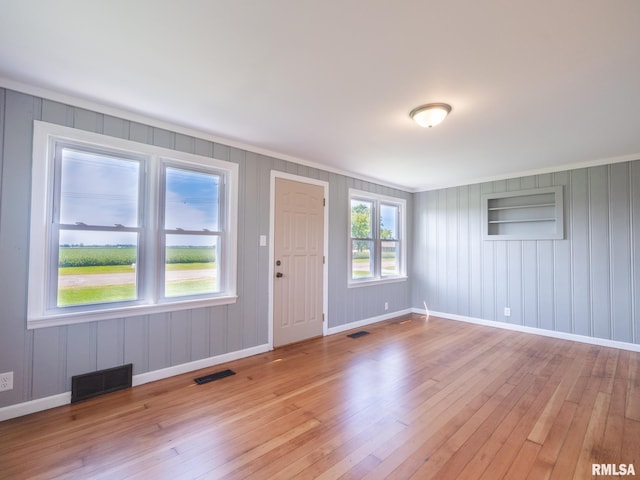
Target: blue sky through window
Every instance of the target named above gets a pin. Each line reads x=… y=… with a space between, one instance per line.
x=191 y=200
x=191 y=203
x=103 y=190
x=98 y=190
x=389 y=219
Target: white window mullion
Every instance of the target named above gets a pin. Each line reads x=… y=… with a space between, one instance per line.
x=155 y=235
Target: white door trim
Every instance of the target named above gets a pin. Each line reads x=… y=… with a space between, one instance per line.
x=325 y=268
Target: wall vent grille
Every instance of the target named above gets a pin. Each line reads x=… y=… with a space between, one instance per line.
x=89 y=385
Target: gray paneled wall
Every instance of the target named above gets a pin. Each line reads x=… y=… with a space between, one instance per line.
x=44 y=360
x=586 y=284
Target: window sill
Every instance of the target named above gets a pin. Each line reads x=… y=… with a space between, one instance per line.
x=377 y=281
x=54 y=320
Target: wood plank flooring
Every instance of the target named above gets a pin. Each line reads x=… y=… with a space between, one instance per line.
x=414 y=399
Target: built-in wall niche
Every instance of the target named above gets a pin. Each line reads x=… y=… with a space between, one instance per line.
x=536 y=214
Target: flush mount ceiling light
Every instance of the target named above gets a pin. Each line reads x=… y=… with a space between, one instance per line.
x=431 y=114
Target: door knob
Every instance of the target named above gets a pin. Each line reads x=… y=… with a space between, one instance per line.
x=279 y=275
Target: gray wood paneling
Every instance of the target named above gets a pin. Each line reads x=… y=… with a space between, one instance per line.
x=180 y=337
x=338 y=251
x=203 y=148
x=136 y=343
x=514 y=279
x=546 y=318
x=250 y=246
x=530 y=284
x=164 y=138
x=585 y=283
x=15 y=185
x=58 y=113
x=580 y=252
x=159 y=341
x=600 y=252
x=48 y=377
x=259 y=331
x=200 y=333
x=140 y=133
x=221 y=152
x=501 y=270
x=634 y=179
x=87 y=120
x=475 y=251
x=219 y=330
x=488 y=281
x=441 y=246
x=453 y=250
x=115 y=127
x=562 y=270
x=418 y=248
x=235 y=312
x=620 y=231
x=81 y=349
x=3 y=94
x=185 y=143
x=463 y=291
x=110 y=343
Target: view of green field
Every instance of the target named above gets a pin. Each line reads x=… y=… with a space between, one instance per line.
x=361 y=264
x=103 y=274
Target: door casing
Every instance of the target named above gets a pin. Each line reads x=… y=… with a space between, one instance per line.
x=325 y=269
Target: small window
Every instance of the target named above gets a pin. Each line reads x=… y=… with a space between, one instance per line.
x=126 y=228
x=377 y=238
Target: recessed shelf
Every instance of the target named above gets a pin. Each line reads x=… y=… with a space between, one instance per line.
x=524 y=215
x=523 y=206
x=522 y=220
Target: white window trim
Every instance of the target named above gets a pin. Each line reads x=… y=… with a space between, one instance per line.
x=44 y=137
x=402 y=230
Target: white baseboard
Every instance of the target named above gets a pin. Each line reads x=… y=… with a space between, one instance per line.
x=33 y=406
x=603 y=342
x=367 y=321
x=25 y=408
x=143 y=378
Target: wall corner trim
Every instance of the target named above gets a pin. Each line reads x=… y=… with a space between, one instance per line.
x=603 y=342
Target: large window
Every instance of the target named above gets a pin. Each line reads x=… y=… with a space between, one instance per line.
x=120 y=228
x=377 y=238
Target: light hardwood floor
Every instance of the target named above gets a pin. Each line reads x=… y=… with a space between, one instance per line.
x=414 y=399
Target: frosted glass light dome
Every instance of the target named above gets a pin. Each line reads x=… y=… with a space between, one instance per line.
x=431 y=114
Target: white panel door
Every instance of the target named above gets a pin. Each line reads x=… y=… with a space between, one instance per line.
x=298 y=257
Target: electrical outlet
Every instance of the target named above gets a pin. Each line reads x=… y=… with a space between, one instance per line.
x=507 y=312
x=6 y=381
x=386 y=305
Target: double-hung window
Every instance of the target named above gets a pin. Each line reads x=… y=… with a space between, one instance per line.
x=377 y=225
x=120 y=228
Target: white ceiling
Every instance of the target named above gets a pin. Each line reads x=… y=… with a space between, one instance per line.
x=534 y=86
